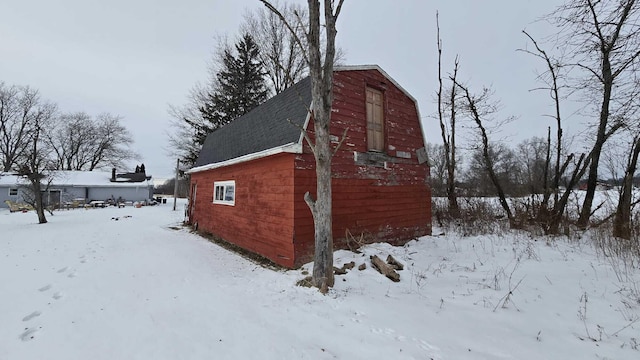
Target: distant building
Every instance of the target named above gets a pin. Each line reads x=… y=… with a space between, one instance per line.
x=80 y=186
x=600 y=185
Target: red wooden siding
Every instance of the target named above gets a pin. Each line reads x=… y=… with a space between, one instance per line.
x=389 y=200
x=383 y=195
x=395 y=214
x=262 y=218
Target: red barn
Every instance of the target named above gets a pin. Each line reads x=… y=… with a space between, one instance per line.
x=248 y=184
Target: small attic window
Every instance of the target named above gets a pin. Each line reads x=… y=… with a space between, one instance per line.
x=13 y=192
x=375 y=120
x=224 y=192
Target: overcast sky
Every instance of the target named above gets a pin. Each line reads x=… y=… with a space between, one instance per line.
x=134 y=58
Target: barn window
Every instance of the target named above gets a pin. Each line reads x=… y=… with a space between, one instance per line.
x=13 y=192
x=224 y=192
x=375 y=120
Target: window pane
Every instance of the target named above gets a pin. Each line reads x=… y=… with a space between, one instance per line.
x=224 y=192
x=229 y=193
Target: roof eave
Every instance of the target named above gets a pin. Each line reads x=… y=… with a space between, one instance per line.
x=294 y=148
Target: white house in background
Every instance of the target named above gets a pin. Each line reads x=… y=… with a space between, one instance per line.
x=83 y=186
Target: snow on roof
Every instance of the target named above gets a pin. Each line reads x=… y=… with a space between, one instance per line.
x=74 y=178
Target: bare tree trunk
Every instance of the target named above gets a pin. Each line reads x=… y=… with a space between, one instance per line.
x=488 y=161
x=552 y=82
x=557 y=173
x=35 y=178
x=622 y=219
x=556 y=215
x=322 y=94
x=592 y=179
x=547 y=161
x=31 y=170
x=36 y=187
x=449 y=142
x=451 y=166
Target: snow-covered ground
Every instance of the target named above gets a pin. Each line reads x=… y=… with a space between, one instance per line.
x=132 y=284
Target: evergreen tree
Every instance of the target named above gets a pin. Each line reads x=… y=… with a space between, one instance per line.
x=240 y=87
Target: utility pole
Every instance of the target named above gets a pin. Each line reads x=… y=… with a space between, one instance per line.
x=175 y=185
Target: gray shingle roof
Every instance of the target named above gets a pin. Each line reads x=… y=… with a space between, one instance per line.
x=265 y=127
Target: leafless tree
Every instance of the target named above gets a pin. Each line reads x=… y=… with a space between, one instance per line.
x=477 y=114
x=282 y=47
x=532 y=156
x=551 y=82
x=321 y=62
x=622 y=218
x=81 y=142
x=111 y=148
x=507 y=167
x=18 y=109
x=571 y=169
x=69 y=139
x=437 y=168
x=603 y=40
x=280 y=53
x=187 y=121
x=448 y=130
x=35 y=163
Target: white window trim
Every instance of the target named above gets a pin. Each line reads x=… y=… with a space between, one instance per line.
x=224 y=185
x=16 y=189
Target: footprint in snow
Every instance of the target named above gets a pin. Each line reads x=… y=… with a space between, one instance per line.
x=425 y=345
x=58 y=295
x=31 y=316
x=386 y=331
x=63 y=269
x=45 y=288
x=72 y=275
x=358 y=314
x=30 y=333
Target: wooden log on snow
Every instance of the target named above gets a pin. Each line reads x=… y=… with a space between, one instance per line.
x=384 y=268
x=344 y=268
x=394 y=263
x=339 y=271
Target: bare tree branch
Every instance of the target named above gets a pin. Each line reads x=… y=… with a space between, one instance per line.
x=284 y=21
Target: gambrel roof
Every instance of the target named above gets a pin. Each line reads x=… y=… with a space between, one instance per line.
x=270 y=128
